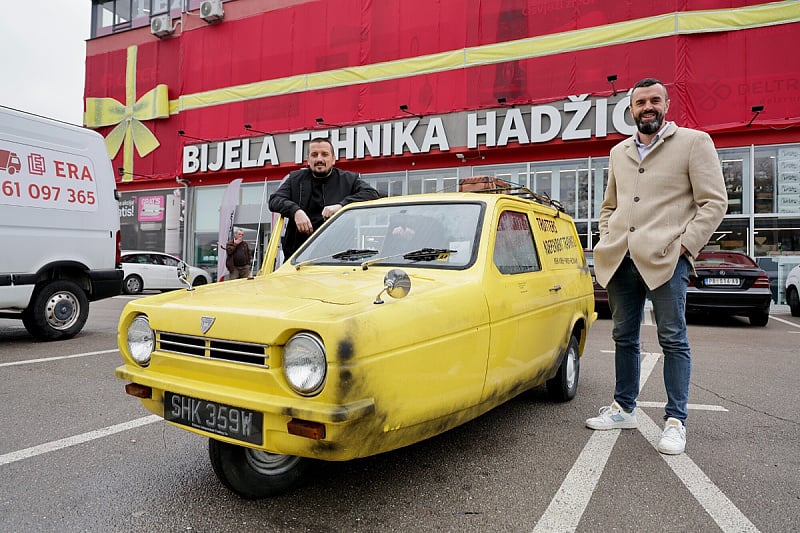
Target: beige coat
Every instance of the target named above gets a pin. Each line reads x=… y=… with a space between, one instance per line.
x=675 y=197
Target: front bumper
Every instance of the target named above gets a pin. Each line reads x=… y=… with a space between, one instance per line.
x=344 y=440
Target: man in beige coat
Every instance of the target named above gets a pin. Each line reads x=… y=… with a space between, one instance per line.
x=665 y=197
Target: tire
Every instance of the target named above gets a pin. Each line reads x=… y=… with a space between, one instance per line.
x=793 y=299
x=759 y=318
x=564 y=385
x=255 y=474
x=58 y=310
x=199 y=280
x=133 y=284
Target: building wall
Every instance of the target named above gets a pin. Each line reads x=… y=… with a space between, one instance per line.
x=416 y=93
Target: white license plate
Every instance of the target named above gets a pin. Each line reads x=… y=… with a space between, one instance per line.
x=726 y=282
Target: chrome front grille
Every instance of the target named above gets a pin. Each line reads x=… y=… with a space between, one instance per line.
x=237 y=352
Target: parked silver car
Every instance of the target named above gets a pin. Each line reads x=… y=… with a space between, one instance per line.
x=156 y=270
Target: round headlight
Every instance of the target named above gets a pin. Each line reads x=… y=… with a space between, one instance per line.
x=304 y=363
x=140 y=340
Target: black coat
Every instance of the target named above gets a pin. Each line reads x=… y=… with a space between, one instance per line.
x=340 y=187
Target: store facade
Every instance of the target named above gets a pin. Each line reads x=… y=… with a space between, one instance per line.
x=534 y=92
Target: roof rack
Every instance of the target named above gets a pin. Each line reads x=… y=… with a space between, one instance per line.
x=493 y=185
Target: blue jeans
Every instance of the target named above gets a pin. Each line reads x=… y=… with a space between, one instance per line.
x=626 y=294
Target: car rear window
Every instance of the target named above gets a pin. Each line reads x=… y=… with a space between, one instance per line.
x=707 y=259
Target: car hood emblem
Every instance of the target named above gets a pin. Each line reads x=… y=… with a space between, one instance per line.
x=721 y=273
x=206 y=322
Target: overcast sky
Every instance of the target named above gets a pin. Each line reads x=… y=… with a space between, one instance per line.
x=43 y=56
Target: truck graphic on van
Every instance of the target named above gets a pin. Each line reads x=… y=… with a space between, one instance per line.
x=9 y=162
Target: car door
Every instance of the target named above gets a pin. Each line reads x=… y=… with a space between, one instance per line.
x=527 y=327
x=168 y=272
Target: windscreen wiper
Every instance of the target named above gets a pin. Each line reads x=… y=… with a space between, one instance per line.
x=351 y=254
x=423 y=254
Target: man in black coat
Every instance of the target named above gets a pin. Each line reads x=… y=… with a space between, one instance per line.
x=310 y=196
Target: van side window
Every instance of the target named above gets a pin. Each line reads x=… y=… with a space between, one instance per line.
x=514 y=250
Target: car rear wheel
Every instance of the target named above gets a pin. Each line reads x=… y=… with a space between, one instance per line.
x=255 y=474
x=793 y=299
x=564 y=385
x=58 y=310
x=133 y=284
x=759 y=318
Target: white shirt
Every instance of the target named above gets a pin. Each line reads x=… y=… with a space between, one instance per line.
x=644 y=149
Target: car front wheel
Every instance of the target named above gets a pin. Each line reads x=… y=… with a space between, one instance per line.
x=564 y=385
x=255 y=474
x=793 y=299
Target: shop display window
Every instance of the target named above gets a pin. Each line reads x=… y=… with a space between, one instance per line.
x=787 y=185
x=736 y=171
x=435 y=180
x=515 y=173
x=599 y=184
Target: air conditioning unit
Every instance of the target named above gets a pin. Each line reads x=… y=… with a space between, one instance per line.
x=161 y=25
x=211 y=10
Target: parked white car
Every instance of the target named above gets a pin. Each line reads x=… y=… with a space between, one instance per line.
x=793 y=290
x=156 y=270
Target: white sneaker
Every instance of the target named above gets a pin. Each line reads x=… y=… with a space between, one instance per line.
x=613 y=417
x=673 y=438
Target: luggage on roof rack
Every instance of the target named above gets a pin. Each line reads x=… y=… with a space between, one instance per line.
x=493 y=185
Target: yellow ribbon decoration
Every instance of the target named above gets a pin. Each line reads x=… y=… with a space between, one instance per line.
x=128 y=117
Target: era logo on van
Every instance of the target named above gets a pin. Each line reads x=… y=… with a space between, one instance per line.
x=72 y=171
x=36 y=164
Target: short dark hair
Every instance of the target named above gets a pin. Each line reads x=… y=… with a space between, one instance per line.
x=649 y=82
x=322 y=140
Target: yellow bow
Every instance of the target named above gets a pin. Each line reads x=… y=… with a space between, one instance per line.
x=128 y=117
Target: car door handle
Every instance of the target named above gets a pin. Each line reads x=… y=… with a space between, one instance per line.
x=555 y=288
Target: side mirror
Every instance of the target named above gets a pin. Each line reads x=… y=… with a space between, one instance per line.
x=396 y=284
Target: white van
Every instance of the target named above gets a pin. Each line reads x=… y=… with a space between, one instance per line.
x=59 y=224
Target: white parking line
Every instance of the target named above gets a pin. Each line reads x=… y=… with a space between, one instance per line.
x=772 y=317
x=569 y=503
x=77 y=439
x=57 y=358
x=726 y=515
x=690 y=406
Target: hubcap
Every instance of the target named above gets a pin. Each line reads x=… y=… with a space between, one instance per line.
x=270 y=464
x=62 y=310
x=571 y=368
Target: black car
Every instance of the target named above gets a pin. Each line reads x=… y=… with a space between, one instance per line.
x=731 y=283
x=600 y=293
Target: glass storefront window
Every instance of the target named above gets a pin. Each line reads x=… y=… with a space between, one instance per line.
x=516 y=174
x=736 y=170
x=787 y=185
x=599 y=184
x=777 y=236
x=434 y=180
x=777 y=250
x=765 y=163
x=731 y=235
x=387 y=183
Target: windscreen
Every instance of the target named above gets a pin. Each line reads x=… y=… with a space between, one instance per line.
x=437 y=235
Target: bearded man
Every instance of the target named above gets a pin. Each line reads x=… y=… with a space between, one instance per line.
x=665 y=197
x=310 y=196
